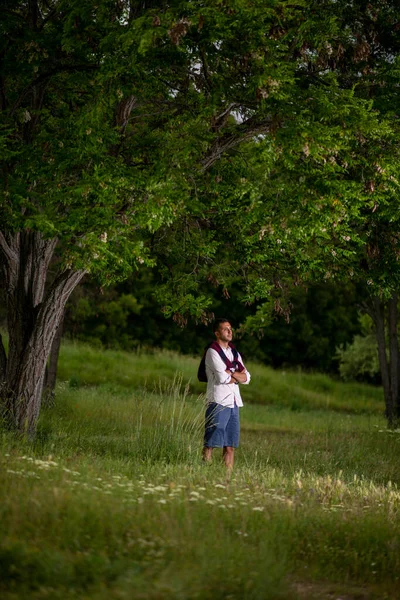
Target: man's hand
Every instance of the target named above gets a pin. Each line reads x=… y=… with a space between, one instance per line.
x=236 y=377
x=239 y=377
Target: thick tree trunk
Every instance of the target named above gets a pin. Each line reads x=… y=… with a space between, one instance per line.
x=393 y=317
x=51 y=369
x=3 y=361
x=33 y=319
x=389 y=366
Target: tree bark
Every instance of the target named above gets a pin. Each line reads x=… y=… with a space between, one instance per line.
x=378 y=314
x=394 y=358
x=33 y=319
x=3 y=362
x=51 y=368
x=389 y=355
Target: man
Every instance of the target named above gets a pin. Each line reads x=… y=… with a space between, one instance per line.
x=225 y=373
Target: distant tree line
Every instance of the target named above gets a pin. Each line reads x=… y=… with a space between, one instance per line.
x=325 y=330
x=322 y=318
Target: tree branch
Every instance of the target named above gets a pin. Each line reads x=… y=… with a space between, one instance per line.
x=42 y=252
x=243 y=132
x=35 y=14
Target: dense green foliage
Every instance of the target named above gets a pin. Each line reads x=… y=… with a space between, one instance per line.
x=227 y=142
x=112 y=500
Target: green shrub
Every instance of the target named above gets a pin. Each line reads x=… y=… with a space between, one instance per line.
x=360 y=359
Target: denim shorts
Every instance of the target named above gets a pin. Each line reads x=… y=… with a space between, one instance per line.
x=222 y=426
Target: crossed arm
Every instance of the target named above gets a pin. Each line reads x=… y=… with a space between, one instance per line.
x=237 y=377
x=217 y=366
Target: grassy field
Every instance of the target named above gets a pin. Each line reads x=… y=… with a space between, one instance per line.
x=112 y=500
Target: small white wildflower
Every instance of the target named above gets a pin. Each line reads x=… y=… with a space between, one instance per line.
x=370 y=282
x=193 y=493
x=193 y=499
x=162 y=501
x=212 y=502
x=258 y=508
x=279 y=241
x=103 y=237
x=334 y=253
x=140 y=500
x=219 y=485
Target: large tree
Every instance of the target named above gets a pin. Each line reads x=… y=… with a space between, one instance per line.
x=122 y=124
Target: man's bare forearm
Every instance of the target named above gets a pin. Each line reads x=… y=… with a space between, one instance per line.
x=237 y=377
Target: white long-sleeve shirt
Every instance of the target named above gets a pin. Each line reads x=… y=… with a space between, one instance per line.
x=218 y=388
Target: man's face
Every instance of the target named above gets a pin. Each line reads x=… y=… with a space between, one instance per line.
x=224 y=332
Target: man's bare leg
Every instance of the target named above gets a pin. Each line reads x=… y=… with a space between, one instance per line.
x=228 y=455
x=207 y=454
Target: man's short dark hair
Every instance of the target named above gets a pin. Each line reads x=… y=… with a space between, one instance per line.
x=218 y=322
